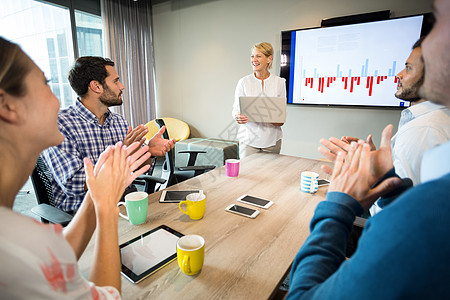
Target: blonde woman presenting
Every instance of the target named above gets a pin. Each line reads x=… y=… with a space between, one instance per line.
x=259 y=137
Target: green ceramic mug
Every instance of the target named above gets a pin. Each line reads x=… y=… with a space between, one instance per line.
x=137 y=207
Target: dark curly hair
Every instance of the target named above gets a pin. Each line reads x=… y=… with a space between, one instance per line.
x=86 y=69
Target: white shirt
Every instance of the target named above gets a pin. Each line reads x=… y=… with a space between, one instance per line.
x=259 y=135
x=422 y=127
x=38 y=263
x=435 y=163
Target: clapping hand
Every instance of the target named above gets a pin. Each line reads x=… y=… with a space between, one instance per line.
x=135 y=135
x=352 y=175
x=159 y=146
x=381 y=159
x=114 y=172
x=349 y=139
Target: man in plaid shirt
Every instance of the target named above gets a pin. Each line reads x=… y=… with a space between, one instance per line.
x=90 y=127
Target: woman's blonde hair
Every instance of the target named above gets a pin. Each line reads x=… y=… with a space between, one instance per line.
x=14 y=66
x=266 y=49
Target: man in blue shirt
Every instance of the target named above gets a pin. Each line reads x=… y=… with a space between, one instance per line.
x=89 y=127
x=403 y=252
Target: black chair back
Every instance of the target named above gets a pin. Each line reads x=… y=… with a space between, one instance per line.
x=168 y=169
x=41 y=179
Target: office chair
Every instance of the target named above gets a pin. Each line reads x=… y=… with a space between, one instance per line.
x=41 y=179
x=182 y=173
x=176 y=129
x=148 y=181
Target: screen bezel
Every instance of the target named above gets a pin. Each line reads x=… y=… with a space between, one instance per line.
x=164 y=193
x=286 y=52
x=127 y=273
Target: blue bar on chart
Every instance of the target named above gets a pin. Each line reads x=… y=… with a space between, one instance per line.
x=349 y=72
x=315 y=72
x=375 y=73
x=366 y=67
x=392 y=71
x=337 y=72
x=304 y=73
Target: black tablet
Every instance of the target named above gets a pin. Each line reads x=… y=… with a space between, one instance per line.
x=149 y=252
x=175 y=196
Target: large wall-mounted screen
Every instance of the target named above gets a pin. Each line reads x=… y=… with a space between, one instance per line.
x=348 y=65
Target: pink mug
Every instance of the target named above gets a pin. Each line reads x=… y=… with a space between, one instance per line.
x=232 y=167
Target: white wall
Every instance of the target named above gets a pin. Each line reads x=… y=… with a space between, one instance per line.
x=202 y=48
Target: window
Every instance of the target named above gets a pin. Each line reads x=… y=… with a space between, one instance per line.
x=44 y=31
x=89 y=34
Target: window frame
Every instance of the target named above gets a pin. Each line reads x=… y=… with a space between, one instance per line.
x=88 y=6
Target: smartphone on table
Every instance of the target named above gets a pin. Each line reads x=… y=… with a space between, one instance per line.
x=243 y=211
x=322 y=182
x=255 y=201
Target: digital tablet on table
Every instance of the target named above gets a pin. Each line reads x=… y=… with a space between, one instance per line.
x=175 y=196
x=149 y=252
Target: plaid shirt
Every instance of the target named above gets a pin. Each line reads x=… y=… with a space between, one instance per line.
x=84 y=137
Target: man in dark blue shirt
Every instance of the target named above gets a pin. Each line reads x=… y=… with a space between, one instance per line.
x=403 y=252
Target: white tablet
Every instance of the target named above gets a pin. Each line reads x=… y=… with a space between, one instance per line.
x=149 y=252
x=175 y=196
x=263 y=109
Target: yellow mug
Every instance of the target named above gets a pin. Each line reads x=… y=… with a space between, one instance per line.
x=191 y=253
x=195 y=205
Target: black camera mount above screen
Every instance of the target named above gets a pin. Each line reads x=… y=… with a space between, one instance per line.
x=355 y=19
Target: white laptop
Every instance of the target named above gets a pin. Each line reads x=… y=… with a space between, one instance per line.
x=264 y=109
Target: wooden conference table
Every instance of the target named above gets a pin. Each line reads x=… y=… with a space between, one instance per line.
x=244 y=258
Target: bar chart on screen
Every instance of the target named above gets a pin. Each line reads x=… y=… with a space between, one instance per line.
x=363 y=83
x=352 y=65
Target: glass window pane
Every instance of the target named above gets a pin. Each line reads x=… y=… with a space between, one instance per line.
x=44 y=33
x=89 y=34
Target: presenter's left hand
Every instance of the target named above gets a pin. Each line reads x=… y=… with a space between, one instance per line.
x=241 y=119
